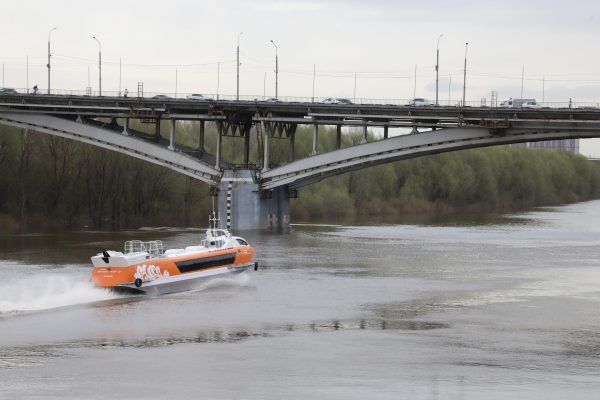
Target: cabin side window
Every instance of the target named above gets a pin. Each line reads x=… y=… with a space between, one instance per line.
x=242 y=242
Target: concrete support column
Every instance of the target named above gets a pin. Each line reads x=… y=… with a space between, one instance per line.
x=218 y=152
x=385 y=132
x=239 y=200
x=157 y=128
x=274 y=210
x=242 y=205
x=338 y=137
x=315 y=139
x=125 y=127
x=172 y=135
x=201 y=138
x=266 y=135
x=364 y=139
x=247 y=146
x=292 y=143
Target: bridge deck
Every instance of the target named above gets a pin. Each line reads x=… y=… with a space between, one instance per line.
x=300 y=113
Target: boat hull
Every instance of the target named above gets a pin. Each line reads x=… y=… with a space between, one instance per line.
x=172 y=274
x=186 y=282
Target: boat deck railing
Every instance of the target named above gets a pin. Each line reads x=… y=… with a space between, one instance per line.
x=153 y=247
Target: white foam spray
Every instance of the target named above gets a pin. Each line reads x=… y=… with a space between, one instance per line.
x=237 y=280
x=46 y=291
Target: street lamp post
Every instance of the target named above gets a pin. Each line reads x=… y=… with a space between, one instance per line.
x=437 y=69
x=237 y=96
x=465 y=75
x=276 y=69
x=99 y=65
x=48 y=65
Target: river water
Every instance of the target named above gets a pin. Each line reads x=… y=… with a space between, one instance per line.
x=508 y=308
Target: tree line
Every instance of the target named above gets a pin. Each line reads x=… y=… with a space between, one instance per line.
x=50 y=182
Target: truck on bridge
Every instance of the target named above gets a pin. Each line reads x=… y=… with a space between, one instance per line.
x=518 y=103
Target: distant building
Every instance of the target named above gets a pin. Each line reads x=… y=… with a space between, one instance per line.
x=570 y=145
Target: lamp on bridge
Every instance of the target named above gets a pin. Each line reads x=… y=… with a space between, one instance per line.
x=99 y=65
x=51 y=30
x=437 y=69
x=237 y=96
x=465 y=76
x=276 y=68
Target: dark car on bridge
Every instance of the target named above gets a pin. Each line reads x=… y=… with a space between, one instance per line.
x=8 y=91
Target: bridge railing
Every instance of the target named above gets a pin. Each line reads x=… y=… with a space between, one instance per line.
x=297 y=99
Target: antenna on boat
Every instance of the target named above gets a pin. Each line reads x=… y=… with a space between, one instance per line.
x=214 y=218
x=212 y=221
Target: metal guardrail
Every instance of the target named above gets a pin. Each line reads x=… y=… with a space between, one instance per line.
x=153 y=247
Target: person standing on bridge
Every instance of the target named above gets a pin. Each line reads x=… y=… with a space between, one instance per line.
x=35 y=89
x=125 y=93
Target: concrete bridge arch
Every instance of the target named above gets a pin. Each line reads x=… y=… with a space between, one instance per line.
x=249 y=198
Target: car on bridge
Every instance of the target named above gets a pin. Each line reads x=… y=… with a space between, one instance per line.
x=331 y=100
x=198 y=97
x=161 y=97
x=419 y=102
x=531 y=104
x=6 y=90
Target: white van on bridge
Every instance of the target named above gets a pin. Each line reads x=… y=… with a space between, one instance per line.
x=518 y=103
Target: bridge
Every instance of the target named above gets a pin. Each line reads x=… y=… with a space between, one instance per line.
x=257 y=195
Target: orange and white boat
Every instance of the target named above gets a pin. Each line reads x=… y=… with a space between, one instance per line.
x=143 y=267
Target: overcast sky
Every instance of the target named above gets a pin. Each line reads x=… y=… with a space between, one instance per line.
x=380 y=42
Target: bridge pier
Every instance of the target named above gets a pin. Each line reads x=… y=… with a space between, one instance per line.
x=385 y=131
x=292 y=143
x=338 y=137
x=243 y=206
x=218 y=151
x=125 y=126
x=315 y=151
x=201 y=138
x=172 y=135
x=157 y=128
x=266 y=136
x=274 y=210
x=247 y=147
x=364 y=139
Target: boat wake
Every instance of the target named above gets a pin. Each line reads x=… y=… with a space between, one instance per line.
x=240 y=280
x=48 y=291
